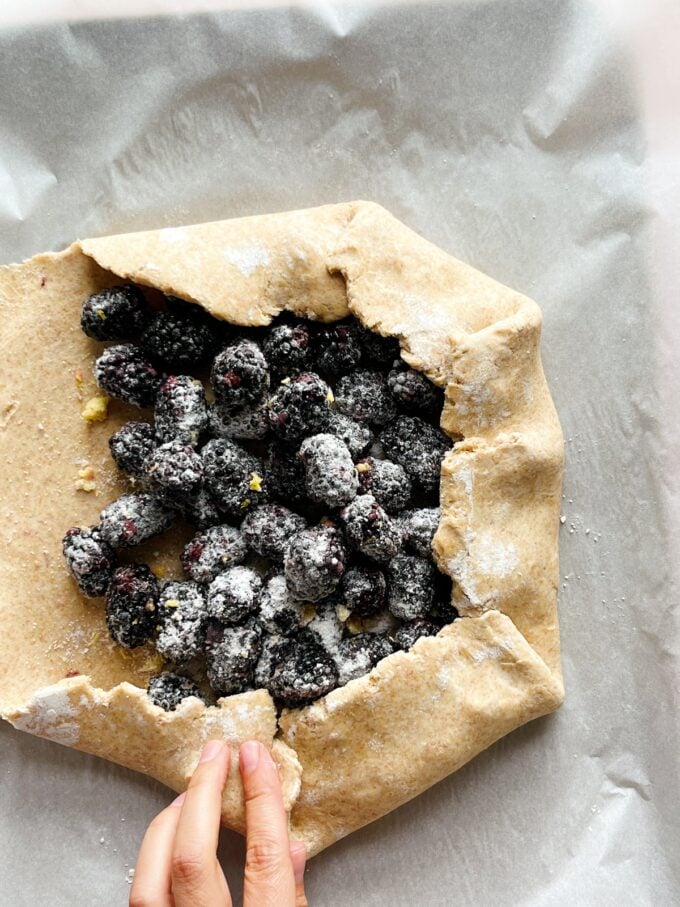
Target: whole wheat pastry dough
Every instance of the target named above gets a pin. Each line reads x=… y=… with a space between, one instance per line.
x=378 y=741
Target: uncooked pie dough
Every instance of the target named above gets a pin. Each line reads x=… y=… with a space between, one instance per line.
x=375 y=743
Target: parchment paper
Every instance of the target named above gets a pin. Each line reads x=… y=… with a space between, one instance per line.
x=536 y=139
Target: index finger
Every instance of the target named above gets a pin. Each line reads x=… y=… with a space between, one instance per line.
x=199 y=823
x=269 y=870
x=194 y=860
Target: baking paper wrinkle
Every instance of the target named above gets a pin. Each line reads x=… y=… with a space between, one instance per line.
x=18 y=199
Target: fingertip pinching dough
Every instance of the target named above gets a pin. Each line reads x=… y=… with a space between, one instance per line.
x=312 y=472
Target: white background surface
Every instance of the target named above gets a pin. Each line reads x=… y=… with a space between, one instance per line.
x=536 y=140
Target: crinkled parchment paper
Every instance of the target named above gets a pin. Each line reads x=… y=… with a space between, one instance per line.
x=536 y=140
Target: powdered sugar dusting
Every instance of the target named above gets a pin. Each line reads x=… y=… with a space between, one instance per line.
x=427 y=328
x=476 y=393
x=442 y=681
x=294 y=256
x=219 y=724
x=483 y=555
x=48 y=714
x=351 y=666
x=241 y=582
x=464 y=475
x=232 y=724
x=443 y=677
x=476 y=397
x=245 y=712
x=247 y=258
x=328 y=630
x=460 y=569
x=423 y=316
x=335 y=700
x=495 y=558
x=492 y=652
x=310 y=796
x=75 y=640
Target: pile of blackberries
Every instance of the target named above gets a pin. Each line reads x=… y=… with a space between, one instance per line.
x=308 y=464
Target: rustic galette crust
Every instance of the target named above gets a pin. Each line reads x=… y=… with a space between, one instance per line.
x=369 y=746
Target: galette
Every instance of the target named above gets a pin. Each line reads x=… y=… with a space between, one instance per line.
x=293 y=477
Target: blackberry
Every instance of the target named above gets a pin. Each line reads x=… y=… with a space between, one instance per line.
x=360 y=654
x=370 y=529
x=239 y=375
x=180 y=341
x=363 y=590
x=182 y=617
x=300 y=407
x=288 y=349
x=211 y=552
x=175 y=471
x=179 y=306
x=168 y=690
x=356 y=435
x=274 y=649
x=410 y=586
x=418 y=447
x=222 y=331
x=443 y=612
x=250 y=423
x=330 y=476
x=337 y=349
x=200 y=510
x=181 y=410
x=234 y=477
x=132 y=519
x=409 y=633
x=279 y=611
x=379 y=644
x=267 y=529
x=305 y=673
x=285 y=474
x=131 y=605
x=231 y=656
x=124 y=372
x=378 y=351
x=363 y=395
x=131 y=448
x=116 y=313
x=413 y=391
x=418 y=528
x=89 y=559
x=314 y=561
x=386 y=481
x=233 y=595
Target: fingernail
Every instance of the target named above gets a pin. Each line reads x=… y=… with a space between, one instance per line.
x=210 y=750
x=250 y=756
x=179 y=800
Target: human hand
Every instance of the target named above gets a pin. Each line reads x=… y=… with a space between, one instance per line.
x=177 y=864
